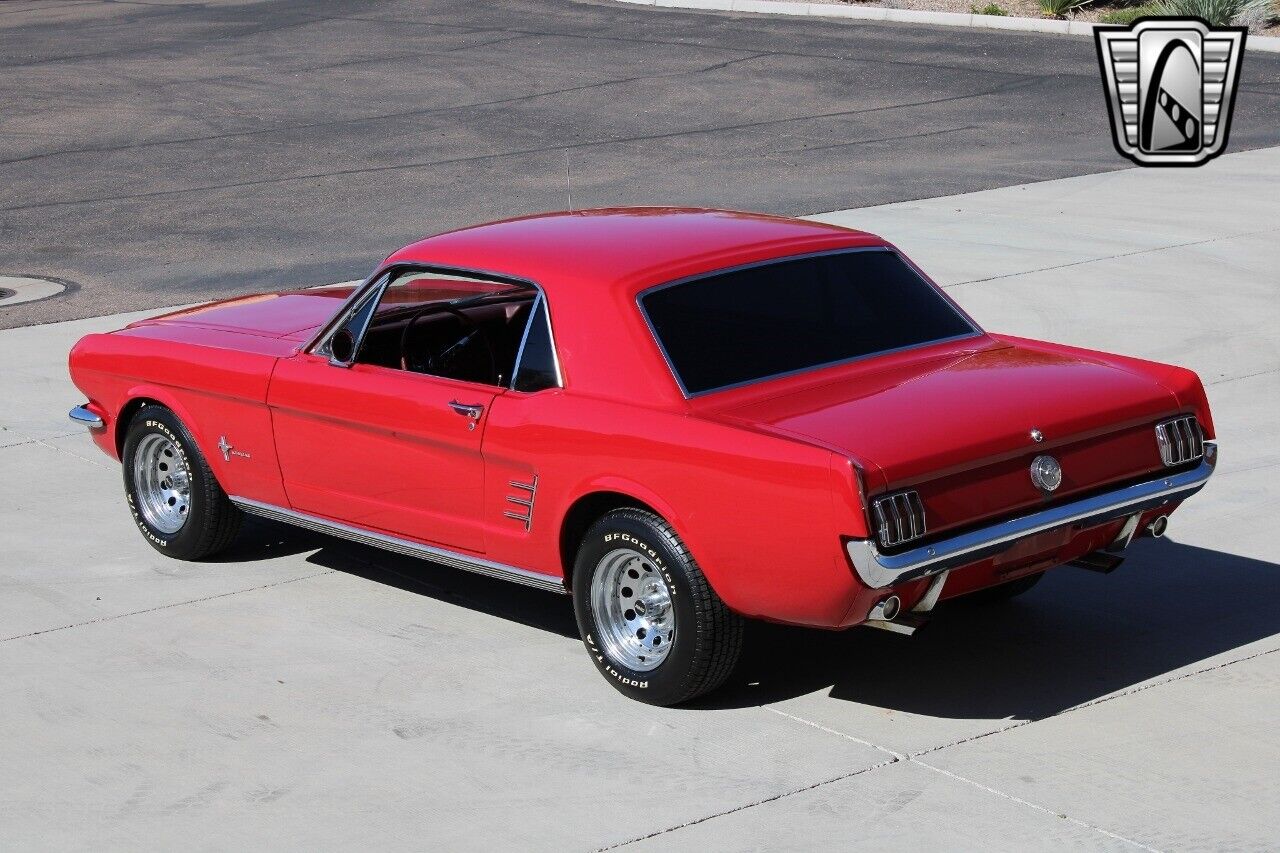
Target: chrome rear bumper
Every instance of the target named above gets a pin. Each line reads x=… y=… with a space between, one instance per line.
x=879 y=570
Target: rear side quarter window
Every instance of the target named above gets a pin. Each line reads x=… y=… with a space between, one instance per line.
x=537 y=368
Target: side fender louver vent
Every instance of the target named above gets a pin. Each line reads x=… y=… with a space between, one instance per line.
x=524 y=500
x=899 y=518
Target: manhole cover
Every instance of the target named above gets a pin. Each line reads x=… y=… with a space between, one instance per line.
x=16 y=289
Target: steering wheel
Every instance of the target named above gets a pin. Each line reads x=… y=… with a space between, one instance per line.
x=437 y=363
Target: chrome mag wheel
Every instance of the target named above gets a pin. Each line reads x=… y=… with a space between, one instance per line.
x=163 y=483
x=634 y=618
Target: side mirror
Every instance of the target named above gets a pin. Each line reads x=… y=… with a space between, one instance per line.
x=342 y=348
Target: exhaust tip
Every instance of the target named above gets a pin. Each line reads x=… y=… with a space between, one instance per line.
x=1157 y=527
x=886 y=610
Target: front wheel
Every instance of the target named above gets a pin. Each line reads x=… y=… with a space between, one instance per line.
x=652 y=624
x=175 y=499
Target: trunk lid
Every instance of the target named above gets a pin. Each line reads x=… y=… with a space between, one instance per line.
x=956 y=425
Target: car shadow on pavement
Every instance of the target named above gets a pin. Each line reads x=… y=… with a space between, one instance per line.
x=260 y=539
x=263 y=539
x=535 y=608
x=1075 y=637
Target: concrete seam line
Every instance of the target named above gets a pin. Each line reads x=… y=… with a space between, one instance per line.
x=165 y=606
x=1032 y=805
x=1110 y=257
x=1267 y=44
x=1142 y=688
x=1101 y=699
x=27 y=441
x=43 y=442
x=898 y=757
x=750 y=805
x=1245 y=376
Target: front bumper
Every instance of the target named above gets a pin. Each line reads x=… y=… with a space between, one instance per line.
x=879 y=570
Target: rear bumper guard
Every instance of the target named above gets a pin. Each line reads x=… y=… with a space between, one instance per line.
x=879 y=570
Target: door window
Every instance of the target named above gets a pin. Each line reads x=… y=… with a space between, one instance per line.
x=447 y=325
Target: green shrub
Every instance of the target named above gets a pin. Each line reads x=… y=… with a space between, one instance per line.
x=1060 y=8
x=1125 y=17
x=1219 y=13
x=989 y=9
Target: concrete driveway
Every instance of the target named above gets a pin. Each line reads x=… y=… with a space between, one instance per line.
x=164 y=152
x=305 y=693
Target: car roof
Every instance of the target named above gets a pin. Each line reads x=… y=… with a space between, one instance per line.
x=628 y=248
x=592 y=263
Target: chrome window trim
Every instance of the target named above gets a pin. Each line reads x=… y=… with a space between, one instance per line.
x=879 y=570
x=524 y=339
x=454 y=559
x=541 y=300
x=340 y=316
x=847 y=250
x=383 y=276
x=372 y=295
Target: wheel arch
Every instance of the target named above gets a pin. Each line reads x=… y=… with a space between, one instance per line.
x=141 y=395
x=593 y=504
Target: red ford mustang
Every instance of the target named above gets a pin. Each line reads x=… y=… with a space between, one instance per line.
x=685 y=418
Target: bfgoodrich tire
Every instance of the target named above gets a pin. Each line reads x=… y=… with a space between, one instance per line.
x=175 y=500
x=652 y=624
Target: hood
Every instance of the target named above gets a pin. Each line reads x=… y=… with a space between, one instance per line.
x=292 y=314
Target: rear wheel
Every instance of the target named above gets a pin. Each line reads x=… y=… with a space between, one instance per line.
x=175 y=500
x=652 y=624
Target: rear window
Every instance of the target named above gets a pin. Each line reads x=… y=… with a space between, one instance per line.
x=750 y=324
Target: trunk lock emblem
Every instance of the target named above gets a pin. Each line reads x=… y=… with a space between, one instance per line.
x=1046 y=473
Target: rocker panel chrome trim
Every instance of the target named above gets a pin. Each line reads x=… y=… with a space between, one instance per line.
x=404 y=546
x=879 y=570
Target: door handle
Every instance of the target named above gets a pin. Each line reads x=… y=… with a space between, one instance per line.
x=467 y=410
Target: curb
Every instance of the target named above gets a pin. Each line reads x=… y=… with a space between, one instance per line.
x=1266 y=44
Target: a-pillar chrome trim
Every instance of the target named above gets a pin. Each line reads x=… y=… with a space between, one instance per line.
x=83 y=416
x=453 y=559
x=879 y=570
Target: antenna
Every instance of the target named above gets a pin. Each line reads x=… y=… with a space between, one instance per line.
x=568 y=187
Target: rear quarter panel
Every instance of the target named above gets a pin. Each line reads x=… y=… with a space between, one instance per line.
x=762 y=515
x=215 y=381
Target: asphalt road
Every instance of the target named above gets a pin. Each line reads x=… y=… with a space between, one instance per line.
x=160 y=153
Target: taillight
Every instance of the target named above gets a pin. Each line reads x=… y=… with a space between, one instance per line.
x=899 y=518
x=1181 y=440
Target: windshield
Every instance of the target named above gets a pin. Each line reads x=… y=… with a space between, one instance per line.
x=763 y=321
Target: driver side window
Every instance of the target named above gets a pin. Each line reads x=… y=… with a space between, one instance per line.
x=444 y=324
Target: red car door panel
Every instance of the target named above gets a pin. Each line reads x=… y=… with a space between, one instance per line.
x=382 y=448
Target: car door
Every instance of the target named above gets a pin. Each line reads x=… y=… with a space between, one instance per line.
x=382 y=448
x=363 y=439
